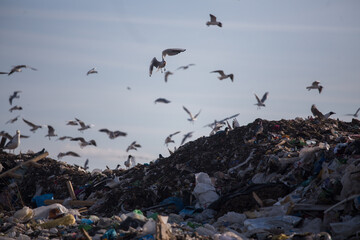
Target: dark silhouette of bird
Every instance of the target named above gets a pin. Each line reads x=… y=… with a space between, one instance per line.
x=83 y=143
x=133 y=146
x=18 y=68
x=113 y=134
x=15 y=108
x=213 y=21
x=186 y=136
x=315 y=85
x=83 y=126
x=186 y=66
x=13 y=120
x=14 y=95
x=167 y=73
x=91 y=71
x=223 y=75
x=161 y=100
x=168 y=138
x=51 y=132
x=69 y=153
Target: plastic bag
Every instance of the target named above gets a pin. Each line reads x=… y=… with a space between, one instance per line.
x=204 y=191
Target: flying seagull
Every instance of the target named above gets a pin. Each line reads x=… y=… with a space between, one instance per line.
x=18 y=68
x=167 y=73
x=113 y=134
x=161 y=100
x=83 y=143
x=14 y=142
x=168 y=138
x=315 y=85
x=353 y=114
x=15 y=108
x=192 y=118
x=318 y=114
x=69 y=153
x=133 y=146
x=217 y=128
x=213 y=21
x=72 y=123
x=261 y=103
x=64 y=137
x=159 y=65
x=14 y=95
x=13 y=120
x=91 y=71
x=51 y=132
x=186 y=66
x=33 y=126
x=221 y=121
x=223 y=75
x=83 y=126
x=186 y=136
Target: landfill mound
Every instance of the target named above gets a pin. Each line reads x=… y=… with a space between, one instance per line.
x=266 y=169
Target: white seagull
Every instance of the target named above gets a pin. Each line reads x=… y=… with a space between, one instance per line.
x=353 y=114
x=315 y=85
x=130 y=161
x=260 y=103
x=33 y=126
x=223 y=75
x=19 y=67
x=91 y=71
x=14 y=95
x=192 y=118
x=14 y=142
x=159 y=65
x=213 y=21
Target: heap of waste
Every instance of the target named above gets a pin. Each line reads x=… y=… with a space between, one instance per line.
x=287 y=179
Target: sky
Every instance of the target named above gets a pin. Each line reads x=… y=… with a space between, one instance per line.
x=278 y=46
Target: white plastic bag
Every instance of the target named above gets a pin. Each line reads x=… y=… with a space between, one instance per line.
x=204 y=191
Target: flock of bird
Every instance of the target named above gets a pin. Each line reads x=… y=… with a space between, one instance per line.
x=14 y=141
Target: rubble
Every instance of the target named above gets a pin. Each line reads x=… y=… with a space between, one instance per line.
x=287 y=179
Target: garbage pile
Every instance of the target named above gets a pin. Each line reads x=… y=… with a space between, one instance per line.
x=287 y=179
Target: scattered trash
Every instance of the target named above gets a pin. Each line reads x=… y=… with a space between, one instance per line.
x=292 y=179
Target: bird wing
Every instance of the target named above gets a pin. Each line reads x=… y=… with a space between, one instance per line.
x=29 y=123
x=51 y=130
x=172 y=51
x=154 y=63
x=174 y=133
x=357 y=111
x=212 y=18
x=167 y=75
x=257 y=98
x=82 y=124
x=264 y=97
x=197 y=114
x=104 y=130
x=6 y=135
x=186 y=110
x=81 y=139
x=315 y=83
x=221 y=72
x=316 y=112
x=119 y=133
x=71 y=153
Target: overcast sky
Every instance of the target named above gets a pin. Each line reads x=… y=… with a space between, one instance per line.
x=276 y=46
